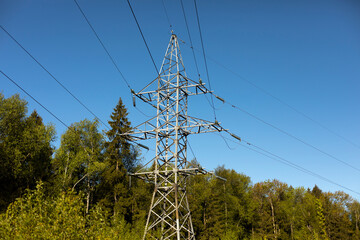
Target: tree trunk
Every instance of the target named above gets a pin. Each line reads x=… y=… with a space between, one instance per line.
x=66 y=168
x=115 y=195
x=115 y=201
x=357 y=221
x=88 y=197
x=273 y=217
x=204 y=217
x=226 y=212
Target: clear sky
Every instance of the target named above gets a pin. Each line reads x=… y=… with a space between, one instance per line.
x=306 y=53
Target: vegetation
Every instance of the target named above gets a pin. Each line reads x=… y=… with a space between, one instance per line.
x=81 y=190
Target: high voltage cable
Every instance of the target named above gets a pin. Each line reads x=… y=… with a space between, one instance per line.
x=203 y=50
x=286 y=104
x=114 y=63
x=329 y=155
x=291 y=164
x=192 y=48
x=167 y=15
x=188 y=31
x=148 y=49
x=52 y=114
x=287 y=133
x=288 y=163
x=102 y=44
x=10 y=79
x=227 y=144
x=191 y=149
x=107 y=52
x=294 y=137
x=52 y=76
x=279 y=129
x=280 y=100
x=142 y=35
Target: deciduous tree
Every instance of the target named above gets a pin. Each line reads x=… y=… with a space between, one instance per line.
x=25 y=148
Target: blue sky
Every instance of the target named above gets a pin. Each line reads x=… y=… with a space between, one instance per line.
x=306 y=53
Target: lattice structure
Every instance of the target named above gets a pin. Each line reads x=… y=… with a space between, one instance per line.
x=169 y=215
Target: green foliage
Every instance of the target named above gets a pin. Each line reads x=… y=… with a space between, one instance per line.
x=25 y=149
x=120 y=158
x=79 y=161
x=118 y=148
x=320 y=218
x=220 y=209
x=90 y=195
x=35 y=216
x=337 y=215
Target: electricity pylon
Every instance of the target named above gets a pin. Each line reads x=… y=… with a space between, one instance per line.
x=169 y=215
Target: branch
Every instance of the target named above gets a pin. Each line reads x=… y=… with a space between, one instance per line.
x=79 y=181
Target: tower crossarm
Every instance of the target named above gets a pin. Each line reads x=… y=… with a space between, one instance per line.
x=191 y=88
x=191 y=125
x=149 y=176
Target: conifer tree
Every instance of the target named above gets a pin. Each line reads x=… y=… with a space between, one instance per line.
x=121 y=157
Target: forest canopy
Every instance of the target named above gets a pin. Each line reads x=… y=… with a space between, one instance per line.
x=81 y=190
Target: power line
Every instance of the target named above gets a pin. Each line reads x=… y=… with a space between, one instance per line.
x=167 y=15
x=280 y=100
x=203 y=50
x=275 y=127
x=292 y=136
x=148 y=49
x=286 y=133
x=283 y=160
x=142 y=35
x=192 y=48
x=188 y=31
x=52 y=76
x=209 y=80
x=191 y=149
x=113 y=61
x=288 y=163
x=57 y=118
x=140 y=111
x=102 y=44
x=107 y=52
x=226 y=143
x=52 y=114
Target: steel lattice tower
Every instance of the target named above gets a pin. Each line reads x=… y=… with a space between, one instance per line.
x=169 y=215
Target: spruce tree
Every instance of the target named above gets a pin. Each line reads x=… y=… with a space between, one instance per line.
x=120 y=159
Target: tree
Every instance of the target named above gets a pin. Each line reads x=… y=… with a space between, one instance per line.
x=38 y=216
x=25 y=148
x=120 y=158
x=236 y=208
x=337 y=215
x=354 y=208
x=269 y=195
x=79 y=161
